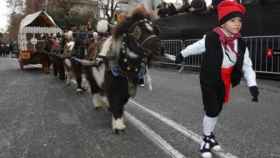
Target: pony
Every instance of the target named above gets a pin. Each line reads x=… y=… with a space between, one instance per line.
x=122 y=59
x=55 y=54
x=84 y=48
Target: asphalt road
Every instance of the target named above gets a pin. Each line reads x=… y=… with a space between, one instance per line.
x=42 y=117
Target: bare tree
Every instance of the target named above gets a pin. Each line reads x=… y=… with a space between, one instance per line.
x=108 y=8
x=15 y=5
x=16 y=14
x=65 y=5
x=33 y=6
x=64 y=13
x=14 y=24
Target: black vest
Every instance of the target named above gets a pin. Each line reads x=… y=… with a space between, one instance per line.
x=210 y=71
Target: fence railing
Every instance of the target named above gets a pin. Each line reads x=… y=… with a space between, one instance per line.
x=257 y=45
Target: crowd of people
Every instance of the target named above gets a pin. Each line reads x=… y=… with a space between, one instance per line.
x=190 y=6
x=8 y=49
x=54 y=43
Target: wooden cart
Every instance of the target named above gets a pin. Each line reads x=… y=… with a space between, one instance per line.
x=34 y=28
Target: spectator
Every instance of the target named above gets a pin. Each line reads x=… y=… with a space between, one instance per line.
x=198 y=6
x=1 y=49
x=55 y=44
x=6 y=49
x=166 y=9
x=215 y=3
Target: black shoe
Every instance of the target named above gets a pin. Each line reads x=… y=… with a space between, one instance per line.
x=179 y=58
x=205 y=148
x=141 y=82
x=80 y=89
x=214 y=145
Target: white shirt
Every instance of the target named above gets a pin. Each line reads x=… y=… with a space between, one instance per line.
x=230 y=57
x=248 y=72
x=70 y=45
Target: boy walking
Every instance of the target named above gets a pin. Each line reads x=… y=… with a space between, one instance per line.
x=225 y=59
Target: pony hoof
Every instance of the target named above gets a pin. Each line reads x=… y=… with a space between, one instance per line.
x=79 y=90
x=116 y=131
x=97 y=108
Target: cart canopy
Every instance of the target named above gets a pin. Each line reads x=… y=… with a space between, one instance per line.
x=37 y=23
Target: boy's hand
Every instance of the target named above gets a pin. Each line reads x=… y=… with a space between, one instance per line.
x=179 y=58
x=254 y=92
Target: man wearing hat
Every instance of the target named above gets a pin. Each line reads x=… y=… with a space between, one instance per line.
x=225 y=59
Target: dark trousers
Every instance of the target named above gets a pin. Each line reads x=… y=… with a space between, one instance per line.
x=77 y=69
x=213 y=98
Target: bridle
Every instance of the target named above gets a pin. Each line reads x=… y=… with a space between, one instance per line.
x=133 y=44
x=136 y=31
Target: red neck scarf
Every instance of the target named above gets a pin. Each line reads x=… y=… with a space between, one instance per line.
x=225 y=40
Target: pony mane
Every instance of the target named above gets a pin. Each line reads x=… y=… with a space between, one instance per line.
x=124 y=26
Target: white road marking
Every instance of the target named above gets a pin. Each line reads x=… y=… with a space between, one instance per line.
x=157 y=139
x=188 y=133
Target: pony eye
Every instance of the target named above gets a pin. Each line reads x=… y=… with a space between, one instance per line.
x=136 y=32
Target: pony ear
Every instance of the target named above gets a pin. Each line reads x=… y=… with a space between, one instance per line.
x=124 y=25
x=140 y=9
x=139 y=13
x=156 y=29
x=120 y=29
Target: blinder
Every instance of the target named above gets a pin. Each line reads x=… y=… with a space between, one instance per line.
x=141 y=32
x=133 y=55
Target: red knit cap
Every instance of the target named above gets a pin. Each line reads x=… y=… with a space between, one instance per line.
x=228 y=9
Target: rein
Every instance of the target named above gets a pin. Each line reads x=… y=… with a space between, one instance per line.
x=147 y=39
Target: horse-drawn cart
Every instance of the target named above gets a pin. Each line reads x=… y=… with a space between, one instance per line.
x=34 y=28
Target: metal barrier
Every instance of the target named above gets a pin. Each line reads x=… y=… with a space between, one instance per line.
x=258 y=47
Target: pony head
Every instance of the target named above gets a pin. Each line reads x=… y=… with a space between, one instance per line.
x=140 y=42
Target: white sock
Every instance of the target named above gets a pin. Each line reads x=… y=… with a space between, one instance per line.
x=209 y=124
